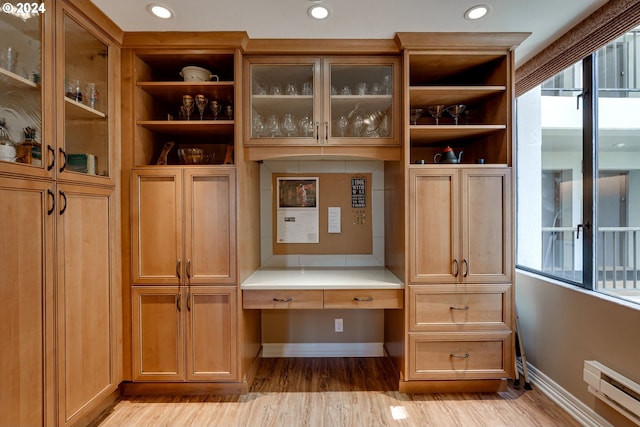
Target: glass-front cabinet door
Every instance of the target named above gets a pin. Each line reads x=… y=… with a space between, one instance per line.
x=315 y=101
x=361 y=101
x=284 y=101
x=21 y=149
x=85 y=151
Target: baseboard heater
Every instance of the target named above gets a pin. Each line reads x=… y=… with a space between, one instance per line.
x=615 y=389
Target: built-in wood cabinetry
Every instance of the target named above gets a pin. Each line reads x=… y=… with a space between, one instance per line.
x=183 y=220
x=26 y=320
x=183 y=223
x=459 y=294
x=319 y=298
x=63 y=292
x=322 y=105
x=87 y=336
x=159 y=115
x=185 y=334
x=461 y=221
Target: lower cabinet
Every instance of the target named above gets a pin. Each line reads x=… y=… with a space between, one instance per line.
x=460 y=332
x=184 y=333
x=87 y=309
x=26 y=292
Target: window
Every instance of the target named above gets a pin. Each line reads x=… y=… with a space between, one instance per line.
x=578 y=159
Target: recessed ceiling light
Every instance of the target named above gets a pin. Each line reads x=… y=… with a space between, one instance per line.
x=160 y=11
x=477 y=12
x=318 y=11
x=618 y=145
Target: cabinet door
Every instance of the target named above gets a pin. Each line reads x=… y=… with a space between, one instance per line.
x=26 y=292
x=283 y=101
x=86 y=251
x=361 y=100
x=84 y=93
x=211 y=333
x=158 y=343
x=209 y=213
x=434 y=221
x=24 y=74
x=156 y=218
x=486 y=225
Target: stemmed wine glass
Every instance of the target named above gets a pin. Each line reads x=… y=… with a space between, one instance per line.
x=187 y=106
x=414 y=115
x=201 y=103
x=455 y=111
x=436 y=111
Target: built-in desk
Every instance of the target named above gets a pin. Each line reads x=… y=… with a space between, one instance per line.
x=317 y=288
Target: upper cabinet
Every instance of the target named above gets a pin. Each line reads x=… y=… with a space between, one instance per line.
x=459 y=95
x=21 y=95
x=85 y=109
x=460 y=101
x=328 y=105
x=184 y=106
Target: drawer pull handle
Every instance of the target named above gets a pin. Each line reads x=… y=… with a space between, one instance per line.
x=361 y=299
x=283 y=299
x=464 y=356
x=453 y=307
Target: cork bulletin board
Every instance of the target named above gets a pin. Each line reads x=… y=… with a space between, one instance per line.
x=346 y=230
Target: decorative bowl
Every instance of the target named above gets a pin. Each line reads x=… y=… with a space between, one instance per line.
x=191 y=156
x=192 y=73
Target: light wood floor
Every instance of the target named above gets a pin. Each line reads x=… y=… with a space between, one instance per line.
x=337 y=392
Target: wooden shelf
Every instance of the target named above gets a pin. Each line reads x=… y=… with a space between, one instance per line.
x=189 y=127
x=14 y=80
x=423 y=96
x=170 y=89
x=440 y=133
x=75 y=110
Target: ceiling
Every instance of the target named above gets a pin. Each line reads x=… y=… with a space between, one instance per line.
x=358 y=19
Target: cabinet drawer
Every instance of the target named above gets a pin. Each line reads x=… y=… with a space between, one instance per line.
x=445 y=308
x=363 y=298
x=443 y=357
x=282 y=299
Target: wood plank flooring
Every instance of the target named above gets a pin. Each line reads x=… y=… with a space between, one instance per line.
x=336 y=392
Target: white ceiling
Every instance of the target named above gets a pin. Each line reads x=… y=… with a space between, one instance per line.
x=357 y=19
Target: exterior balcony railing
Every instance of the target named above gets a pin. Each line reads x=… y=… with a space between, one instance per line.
x=618 y=256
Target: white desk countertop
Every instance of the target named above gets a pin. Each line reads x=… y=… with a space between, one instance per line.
x=322 y=278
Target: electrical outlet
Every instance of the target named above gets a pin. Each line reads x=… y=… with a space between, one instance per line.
x=339 y=325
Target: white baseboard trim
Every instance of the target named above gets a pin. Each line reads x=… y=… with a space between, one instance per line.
x=578 y=410
x=364 y=349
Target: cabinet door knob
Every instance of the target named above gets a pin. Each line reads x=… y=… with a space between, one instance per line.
x=283 y=299
x=64 y=199
x=178 y=264
x=53 y=202
x=466 y=267
x=64 y=160
x=457 y=269
x=453 y=307
x=53 y=157
x=178 y=298
x=363 y=299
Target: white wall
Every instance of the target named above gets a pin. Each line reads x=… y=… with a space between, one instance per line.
x=562 y=326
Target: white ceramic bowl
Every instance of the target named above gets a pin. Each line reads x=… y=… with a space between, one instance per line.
x=7 y=153
x=197 y=74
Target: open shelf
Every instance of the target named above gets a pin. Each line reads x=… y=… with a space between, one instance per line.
x=189 y=126
x=422 y=96
x=440 y=133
